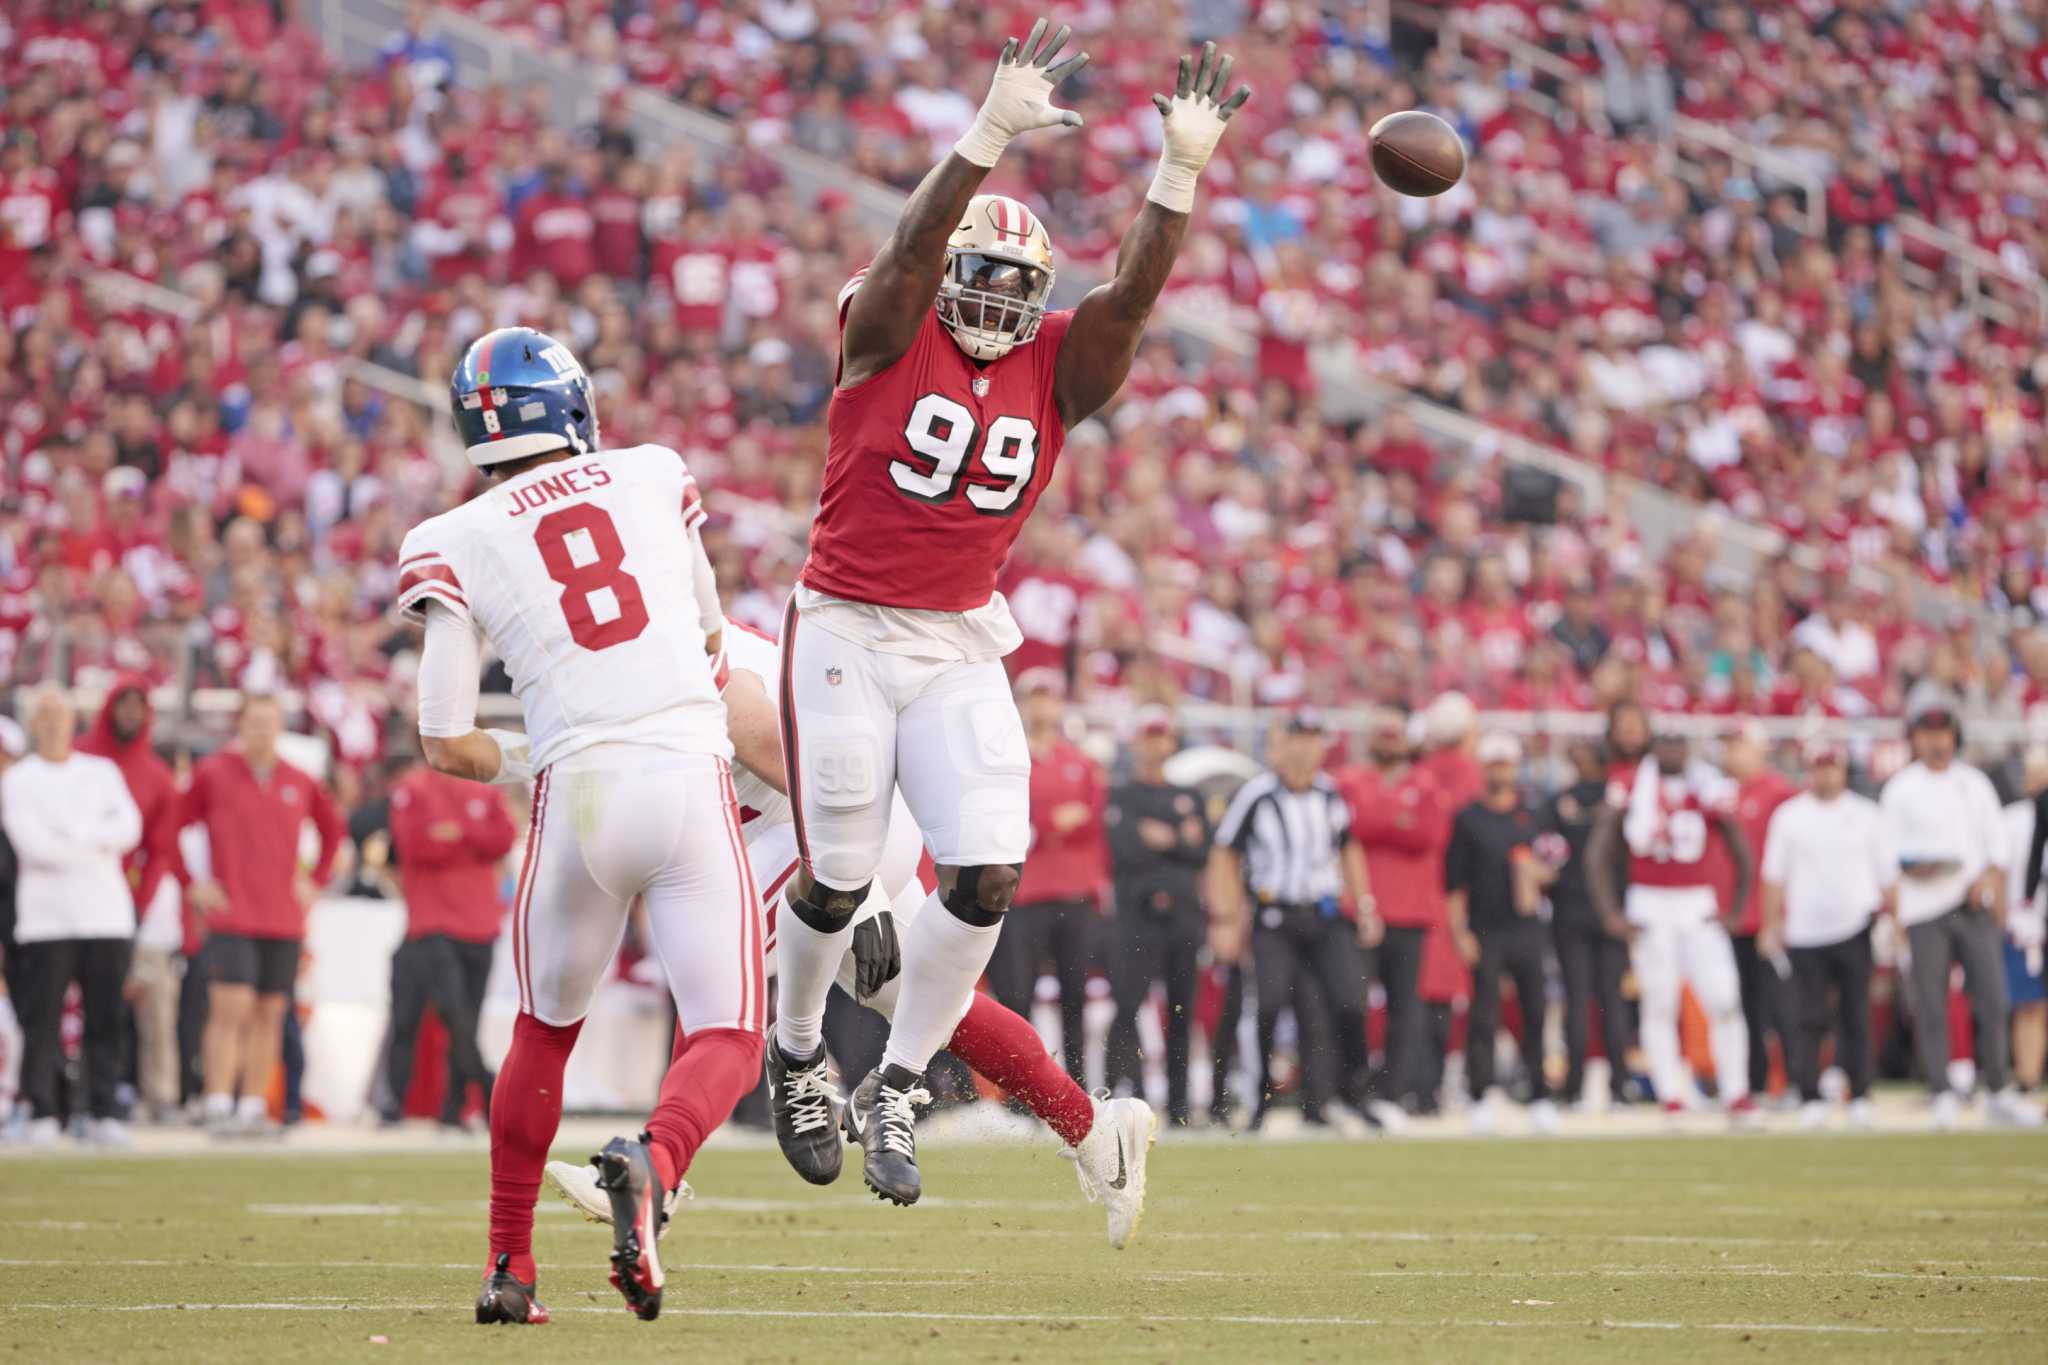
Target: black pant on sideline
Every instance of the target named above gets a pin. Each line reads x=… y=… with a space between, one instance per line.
x=192 y=1006
x=1514 y=951
x=1154 y=946
x=100 y=966
x=1845 y=968
x=1764 y=1008
x=433 y=970
x=1312 y=962
x=1063 y=931
x=1592 y=963
x=1397 y=962
x=1223 y=1046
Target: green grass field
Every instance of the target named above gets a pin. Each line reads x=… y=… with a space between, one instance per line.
x=1670 y=1249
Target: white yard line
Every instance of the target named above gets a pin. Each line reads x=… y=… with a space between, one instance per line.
x=942 y=1274
x=1183 y=1319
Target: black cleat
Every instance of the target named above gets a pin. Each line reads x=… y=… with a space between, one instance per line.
x=881 y=1119
x=625 y=1171
x=806 y=1112
x=504 y=1299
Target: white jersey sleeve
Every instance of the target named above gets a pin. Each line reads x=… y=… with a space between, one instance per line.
x=585 y=576
x=747 y=649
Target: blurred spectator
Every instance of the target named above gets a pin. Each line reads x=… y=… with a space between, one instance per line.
x=2026 y=922
x=121 y=733
x=1828 y=870
x=1591 y=962
x=1059 y=901
x=1493 y=896
x=1284 y=865
x=71 y=821
x=1401 y=821
x=1159 y=841
x=448 y=836
x=253 y=806
x=13 y=744
x=1942 y=817
x=1766 y=1009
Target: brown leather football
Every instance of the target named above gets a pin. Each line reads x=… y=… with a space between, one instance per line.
x=1417 y=153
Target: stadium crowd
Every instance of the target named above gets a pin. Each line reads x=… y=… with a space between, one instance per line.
x=213 y=496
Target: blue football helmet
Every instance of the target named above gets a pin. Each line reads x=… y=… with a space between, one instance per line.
x=519 y=392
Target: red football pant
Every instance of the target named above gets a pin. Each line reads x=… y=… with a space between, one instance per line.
x=526 y=1109
x=1001 y=1044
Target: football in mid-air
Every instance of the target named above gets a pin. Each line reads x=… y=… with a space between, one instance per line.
x=1416 y=153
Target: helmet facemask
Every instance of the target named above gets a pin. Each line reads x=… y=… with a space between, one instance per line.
x=992 y=303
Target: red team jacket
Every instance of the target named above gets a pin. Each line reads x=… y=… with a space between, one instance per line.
x=1073 y=866
x=1402 y=829
x=1755 y=802
x=252 y=836
x=450 y=885
x=1445 y=976
x=931 y=467
x=154 y=790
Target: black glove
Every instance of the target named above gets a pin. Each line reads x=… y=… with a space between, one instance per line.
x=877 y=956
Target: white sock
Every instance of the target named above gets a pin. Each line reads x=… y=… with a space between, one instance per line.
x=219 y=1106
x=942 y=959
x=806 y=963
x=252 y=1107
x=1728 y=1035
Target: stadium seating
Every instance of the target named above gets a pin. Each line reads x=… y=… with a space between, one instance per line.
x=201 y=483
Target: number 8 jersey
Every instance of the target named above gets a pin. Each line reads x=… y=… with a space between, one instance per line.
x=931 y=467
x=588 y=577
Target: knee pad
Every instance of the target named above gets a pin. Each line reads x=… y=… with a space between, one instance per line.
x=981 y=894
x=827 y=909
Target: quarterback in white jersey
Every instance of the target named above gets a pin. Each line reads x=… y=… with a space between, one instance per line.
x=585 y=569
x=1108 y=1140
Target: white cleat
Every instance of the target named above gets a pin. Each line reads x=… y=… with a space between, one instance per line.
x=1543 y=1117
x=2010 y=1109
x=1947 y=1109
x=108 y=1133
x=1862 y=1114
x=1482 y=1119
x=577 y=1185
x=1110 y=1162
x=1813 y=1116
x=1392 y=1117
x=42 y=1133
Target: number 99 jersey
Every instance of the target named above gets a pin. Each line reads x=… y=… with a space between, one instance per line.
x=931 y=467
x=588 y=577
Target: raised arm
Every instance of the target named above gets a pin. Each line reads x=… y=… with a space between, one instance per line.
x=1103 y=339
x=902 y=281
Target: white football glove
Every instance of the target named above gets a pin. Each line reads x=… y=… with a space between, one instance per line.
x=1020 y=96
x=1194 y=125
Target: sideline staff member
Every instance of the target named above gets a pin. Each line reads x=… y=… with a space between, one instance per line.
x=1158 y=842
x=1944 y=820
x=1828 y=868
x=1285 y=857
x=1494 y=884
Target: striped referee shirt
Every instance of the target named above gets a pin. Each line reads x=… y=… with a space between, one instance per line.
x=1292 y=842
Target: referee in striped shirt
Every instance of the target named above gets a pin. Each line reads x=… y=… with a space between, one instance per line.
x=1284 y=865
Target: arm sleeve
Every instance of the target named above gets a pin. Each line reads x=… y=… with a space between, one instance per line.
x=120 y=819
x=492 y=832
x=449 y=669
x=333 y=832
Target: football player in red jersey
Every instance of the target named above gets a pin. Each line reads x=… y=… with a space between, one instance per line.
x=956 y=389
x=1676 y=928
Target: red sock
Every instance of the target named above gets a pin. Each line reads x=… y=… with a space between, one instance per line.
x=713 y=1069
x=526 y=1109
x=1002 y=1045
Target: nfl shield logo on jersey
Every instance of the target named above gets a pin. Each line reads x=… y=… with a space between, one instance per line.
x=981 y=386
x=832 y=677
